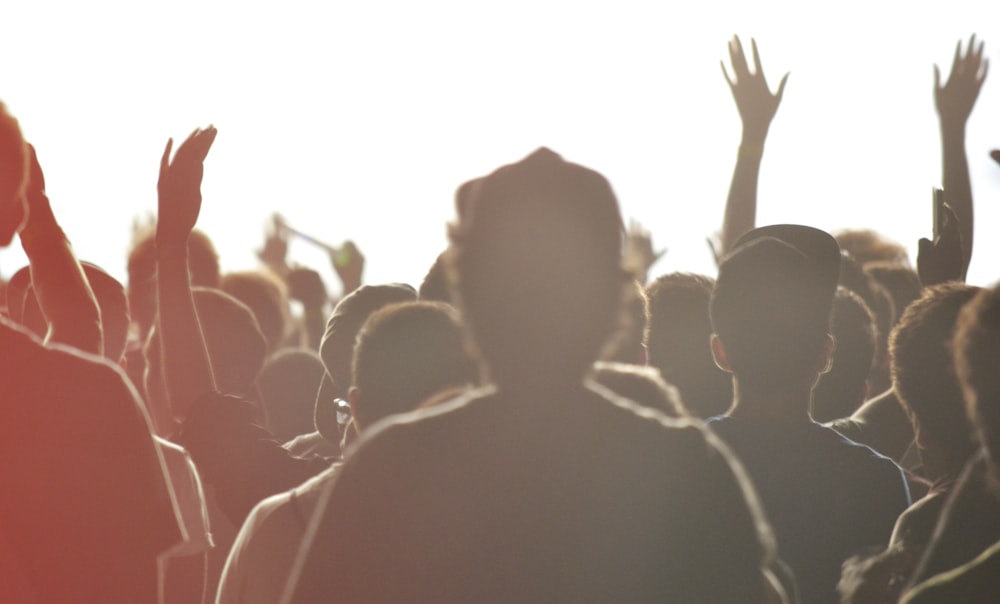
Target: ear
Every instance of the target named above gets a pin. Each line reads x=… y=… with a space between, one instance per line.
x=719 y=354
x=825 y=360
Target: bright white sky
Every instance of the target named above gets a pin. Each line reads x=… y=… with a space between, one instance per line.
x=359 y=119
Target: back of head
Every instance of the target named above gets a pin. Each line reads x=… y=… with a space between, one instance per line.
x=977 y=356
x=235 y=344
x=841 y=390
x=867 y=246
x=287 y=384
x=536 y=264
x=14 y=158
x=265 y=295
x=900 y=281
x=677 y=342
x=406 y=353
x=772 y=301
x=203 y=266
x=350 y=314
x=923 y=372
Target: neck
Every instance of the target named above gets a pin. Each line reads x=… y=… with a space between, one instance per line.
x=777 y=402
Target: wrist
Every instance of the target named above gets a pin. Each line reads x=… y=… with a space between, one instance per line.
x=751 y=150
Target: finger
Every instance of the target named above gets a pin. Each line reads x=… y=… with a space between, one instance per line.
x=781 y=87
x=969 y=51
x=956 y=60
x=725 y=74
x=738 y=59
x=983 y=70
x=756 y=58
x=937 y=77
x=995 y=154
x=165 y=160
x=979 y=51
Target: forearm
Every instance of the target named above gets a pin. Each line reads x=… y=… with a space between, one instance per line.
x=957 y=185
x=186 y=363
x=741 y=204
x=60 y=285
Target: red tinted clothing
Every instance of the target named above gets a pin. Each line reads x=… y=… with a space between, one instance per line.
x=84 y=501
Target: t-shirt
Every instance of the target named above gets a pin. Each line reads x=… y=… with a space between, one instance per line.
x=262 y=556
x=84 y=501
x=977 y=582
x=827 y=497
x=574 y=495
x=969 y=523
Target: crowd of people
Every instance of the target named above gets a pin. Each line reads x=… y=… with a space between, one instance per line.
x=540 y=420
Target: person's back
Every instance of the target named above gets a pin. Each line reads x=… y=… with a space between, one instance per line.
x=826 y=496
x=542 y=489
x=568 y=498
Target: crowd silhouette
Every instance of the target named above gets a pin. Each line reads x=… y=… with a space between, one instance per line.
x=540 y=420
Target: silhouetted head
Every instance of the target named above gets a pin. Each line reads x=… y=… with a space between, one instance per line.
x=287 y=384
x=923 y=376
x=678 y=342
x=977 y=350
x=337 y=347
x=203 y=267
x=867 y=245
x=771 y=305
x=14 y=164
x=265 y=295
x=900 y=281
x=841 y=390
x=405 y=354
x=434 y=287
x=235 y=345
x=536 y=267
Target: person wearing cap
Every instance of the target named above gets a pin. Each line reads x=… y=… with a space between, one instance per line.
x=827 y=496
x=543 y=487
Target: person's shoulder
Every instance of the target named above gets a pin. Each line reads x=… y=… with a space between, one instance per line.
x=977 y=581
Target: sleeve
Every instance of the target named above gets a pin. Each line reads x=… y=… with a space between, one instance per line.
x=238 y=458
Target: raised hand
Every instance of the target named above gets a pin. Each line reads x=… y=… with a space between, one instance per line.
x=754 y=100
x=955 y=99
x=941 y=260
x=274 y=254
x=349 y=264
x=639 y=250
x=179 y=187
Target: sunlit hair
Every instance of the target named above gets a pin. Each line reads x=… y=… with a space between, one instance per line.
x=265 y=295
x=677 y=342
x=867 y=245
x=899 y=280
x=923 y=373
x=839 y=391
x=405 y=353
x=977 y=350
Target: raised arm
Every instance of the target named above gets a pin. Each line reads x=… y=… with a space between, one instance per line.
x=757 y=106
x=186 y=364
x=954 y=101
x=60 y=285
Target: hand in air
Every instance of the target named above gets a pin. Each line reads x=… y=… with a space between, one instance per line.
x=754 y=100
x=941 y=260
x=179 y=187
x=640 y=254
x=274 y=254
x=956 y=97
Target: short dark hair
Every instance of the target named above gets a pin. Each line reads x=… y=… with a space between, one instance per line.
x=677 y=342
x=923 y=373
x=405 y=353
x=900 y=281
x=771 y=310
x=977 y=348
x=867 y=246
x=838 y=393
x=288 y=382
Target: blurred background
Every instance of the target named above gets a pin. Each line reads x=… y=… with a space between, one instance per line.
x=359 y=120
